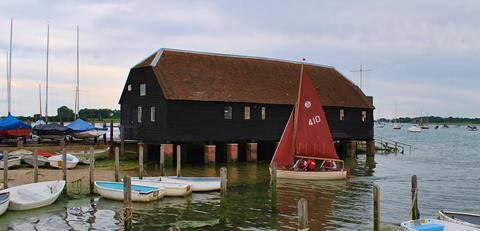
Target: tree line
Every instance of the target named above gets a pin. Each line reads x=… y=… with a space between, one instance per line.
x=433 y=119
x=66 y=114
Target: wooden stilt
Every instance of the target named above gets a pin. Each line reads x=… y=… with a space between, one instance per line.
x=179 y=161
x=140 y=160
x=223 y=181
x=162 y=161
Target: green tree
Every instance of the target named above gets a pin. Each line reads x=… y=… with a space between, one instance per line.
x=65 y=114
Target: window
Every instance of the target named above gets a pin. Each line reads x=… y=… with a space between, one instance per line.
x=129 y=87
x=139 y=114
x=342 y=114
x=227 y=113
x=143 y=89
x=247 y=112
x=152 y=114
x=264 y=113
x=364 y=116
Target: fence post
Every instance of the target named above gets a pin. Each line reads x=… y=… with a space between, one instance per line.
x=35 y=166
x=92 y=167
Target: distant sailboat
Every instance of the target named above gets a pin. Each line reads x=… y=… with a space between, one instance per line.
x=415 y=128
x=307 y=136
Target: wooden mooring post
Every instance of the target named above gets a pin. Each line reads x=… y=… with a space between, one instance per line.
x=64 y=169
x=117 y=164
x=35 y=166
x=127 y=202
x=105 y=134
x=376 y=208
x=302 y=215
x=111 y=134
x=179 y=160
x=5 y=169
x=140 y=160
x=223 y=181
x=92 y=168
x=162 y=161
x=122 y=140
x=273 y=186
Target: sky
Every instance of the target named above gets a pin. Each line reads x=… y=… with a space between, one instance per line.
x=423 y=56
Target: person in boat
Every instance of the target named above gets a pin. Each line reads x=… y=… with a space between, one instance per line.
x=329 y=165
x=310 y=165
x=300 y=165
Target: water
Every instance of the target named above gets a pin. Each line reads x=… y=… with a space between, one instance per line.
x=444 y=161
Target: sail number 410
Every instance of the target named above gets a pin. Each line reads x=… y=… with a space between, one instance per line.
x=314 y=120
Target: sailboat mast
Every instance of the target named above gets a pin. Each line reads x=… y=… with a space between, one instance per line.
x=46 y=75
x=297 y=104
x=9 y=77
x=40 y=97
x=77 y=89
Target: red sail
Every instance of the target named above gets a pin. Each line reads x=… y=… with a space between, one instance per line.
x=284 y=153
x=313 y=138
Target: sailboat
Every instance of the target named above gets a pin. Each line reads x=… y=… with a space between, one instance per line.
x=82 y=129
x=10 y=126
x=307 y=136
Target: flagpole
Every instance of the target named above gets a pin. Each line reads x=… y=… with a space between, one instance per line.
x=297 y=104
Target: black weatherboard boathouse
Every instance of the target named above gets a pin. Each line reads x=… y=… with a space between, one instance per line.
x=187 y=97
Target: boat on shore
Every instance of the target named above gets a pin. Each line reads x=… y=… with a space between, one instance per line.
x=36 y=195
x=114 y=191
x=51 y=131
x=4 y=202
x=84 y=156
x=307 y=136
x=84 y=130
x=171 y=189
x=13 y=161
x=57 y=161
x=468 y=219
x=41 y=160
x=13 y=128
x=434 y=225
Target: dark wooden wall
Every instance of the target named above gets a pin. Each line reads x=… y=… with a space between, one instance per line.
x=197 y=121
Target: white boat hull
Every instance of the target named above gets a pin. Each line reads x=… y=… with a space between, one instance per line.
x=447 y=226
x=4 y=205
x=12 y=162
x=89 y=134
x=171 y=189
x=414 y=129
x=199 y=184
x=84 y=157
x=36 y=195
x=460 y=218
x=312 y=175
x=57 y=161
x=114 y=194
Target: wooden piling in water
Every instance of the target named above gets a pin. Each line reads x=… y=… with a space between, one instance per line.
x=92 y=168
x=273 y=186
x=117 y=164
x=5 y=169
x=179 y=161
x=122 y=140
x=104 y=135
x=302 y=214
x=111 y=134
x=35 y=166
x=64 y=169
x=223 y=181
x=162 y=161
x=140 y=160
x=127 y=201
x=376 y=208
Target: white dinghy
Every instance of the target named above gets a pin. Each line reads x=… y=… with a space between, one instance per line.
x=12 y=161
x=434 y=225
x=114 y=191
x=469 y=219
x=36 y=195
x=84 y=157
x=199 y=184
x=57 y=161
x=4 y=202
x=171 y=189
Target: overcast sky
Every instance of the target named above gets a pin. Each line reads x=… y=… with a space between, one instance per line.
x=424 y=56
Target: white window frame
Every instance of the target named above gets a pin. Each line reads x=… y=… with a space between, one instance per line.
x=264 y=113
x=139 y=114
x=364 y=116
x=129 y=87
x=342 y=114
x=247 y=113
x=143 y=89
x=228 y=112
x=152 y=114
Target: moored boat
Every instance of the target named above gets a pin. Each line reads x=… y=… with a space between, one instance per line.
x=397 y=126
x=84 y=157
x=199 y=184
x=307 y=136
x=434 y=225
x=57 y=161
x=171 y=189
x=114 y=191
x=41 y=160
x=12 y=161
x=4 y=202
x=469 y=219
x=36 y=195
x=415 y=128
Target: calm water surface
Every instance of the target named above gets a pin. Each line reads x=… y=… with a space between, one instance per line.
x=445 y=161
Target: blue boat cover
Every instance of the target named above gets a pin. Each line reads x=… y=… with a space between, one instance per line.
x=11 y=122
x=80 y=125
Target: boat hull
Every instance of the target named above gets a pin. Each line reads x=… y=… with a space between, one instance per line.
x=434 y=224
x=89 y=134
x=313 y=175
x=199 y=184
x=15 y=133
x=36 y=195
x=57 y=161
x=41 y=161
x=12 y=162
x=117 y=194
x=84 y=157
x=4 y=202
x=469 y=219
x=171 y=189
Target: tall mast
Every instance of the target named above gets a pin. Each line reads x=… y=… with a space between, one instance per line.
x=297 y=103
x=6 y=58
x=9 y=77
x=40 y=97
x=77 y=89
x=46 y=75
